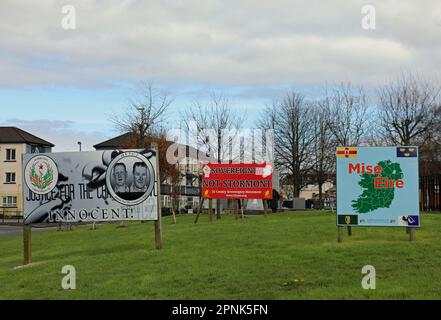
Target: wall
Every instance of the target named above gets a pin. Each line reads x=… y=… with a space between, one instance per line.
x=14 y=190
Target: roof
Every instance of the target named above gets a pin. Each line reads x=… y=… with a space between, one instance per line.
x=117 y=142
x=127 y=139
x=16 y=135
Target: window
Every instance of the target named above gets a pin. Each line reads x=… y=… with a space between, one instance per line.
x=10 y=155
x=10 y=177
x=10 y=202
x=35 y=149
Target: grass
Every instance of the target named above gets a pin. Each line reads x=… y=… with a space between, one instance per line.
x=283 y=256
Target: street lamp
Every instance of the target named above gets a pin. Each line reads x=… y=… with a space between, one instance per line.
x=141 y=133
x=79 y=144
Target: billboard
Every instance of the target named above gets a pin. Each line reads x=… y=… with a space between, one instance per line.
x=377 y=186
x=90 y=186
x=237 y=181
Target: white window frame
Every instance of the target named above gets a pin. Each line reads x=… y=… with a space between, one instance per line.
x=9 y=202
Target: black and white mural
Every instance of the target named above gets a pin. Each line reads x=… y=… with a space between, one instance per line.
x=90 y=186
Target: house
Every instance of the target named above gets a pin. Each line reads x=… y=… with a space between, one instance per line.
x=15 y=142
x=311 y=191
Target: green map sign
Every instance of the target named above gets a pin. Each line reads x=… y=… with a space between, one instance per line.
x=377 y=186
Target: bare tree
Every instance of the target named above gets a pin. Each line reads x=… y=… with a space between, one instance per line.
x=142 y=122
x=323 y=147
x=431 y=159
x=291 y=119
x=408 y=108
x=214 y=124
x=348 y=110
x=145 y=112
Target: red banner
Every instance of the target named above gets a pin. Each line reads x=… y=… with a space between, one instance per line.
x=237 y=181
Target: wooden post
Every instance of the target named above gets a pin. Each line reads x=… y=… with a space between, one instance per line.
x=27 y=244
x=158 y=223
x=265 y=207
x=349 y=231
x=241 y=208
x=210 y=210
x=199 y=210
x=411 y=234
x=235 y=208
x=340 y=234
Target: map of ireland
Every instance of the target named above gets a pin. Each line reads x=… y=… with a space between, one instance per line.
x=374 y=198
x=378 y=186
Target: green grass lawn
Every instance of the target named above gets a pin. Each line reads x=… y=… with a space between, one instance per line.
x=283 y=256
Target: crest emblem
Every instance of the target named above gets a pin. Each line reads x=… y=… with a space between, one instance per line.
x=41 y=174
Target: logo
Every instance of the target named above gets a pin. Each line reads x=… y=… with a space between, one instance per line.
x=41 y=175
x=350 y=219
x=206 y=170
x=130 y=178
x=409 y=221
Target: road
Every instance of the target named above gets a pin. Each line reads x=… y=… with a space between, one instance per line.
x=9 y=231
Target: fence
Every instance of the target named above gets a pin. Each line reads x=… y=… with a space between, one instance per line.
x=430 y=199
x=7 y=215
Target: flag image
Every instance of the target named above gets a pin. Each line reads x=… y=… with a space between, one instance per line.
x=347 y=152
x=407 y=152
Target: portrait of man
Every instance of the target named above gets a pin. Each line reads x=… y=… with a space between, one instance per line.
x=140 y=178
x=120 y=178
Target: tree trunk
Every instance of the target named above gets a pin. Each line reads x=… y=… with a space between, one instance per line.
x=320 y=184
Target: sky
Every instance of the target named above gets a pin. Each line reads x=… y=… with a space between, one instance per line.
x=64 y=84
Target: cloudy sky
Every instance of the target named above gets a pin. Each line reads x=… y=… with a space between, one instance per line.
x=63 y=85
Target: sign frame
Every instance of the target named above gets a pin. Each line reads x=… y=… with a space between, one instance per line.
x=380 y=172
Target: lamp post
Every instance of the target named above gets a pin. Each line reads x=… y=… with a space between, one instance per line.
x=141 y=127
x=79 y=144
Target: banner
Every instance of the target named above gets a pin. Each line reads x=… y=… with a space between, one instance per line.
x=237 y=181
x=377 y=186
x=90 y=186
